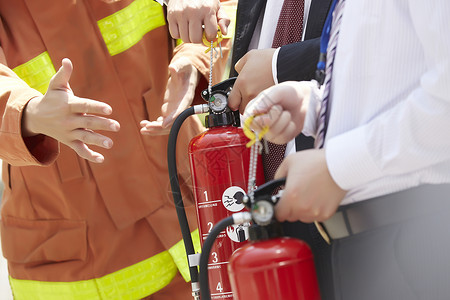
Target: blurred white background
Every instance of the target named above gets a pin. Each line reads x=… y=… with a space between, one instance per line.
x=5 y=291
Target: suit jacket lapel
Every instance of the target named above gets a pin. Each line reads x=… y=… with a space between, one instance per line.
x=317 y=15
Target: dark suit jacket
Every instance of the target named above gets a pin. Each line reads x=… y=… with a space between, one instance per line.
x=296 y=61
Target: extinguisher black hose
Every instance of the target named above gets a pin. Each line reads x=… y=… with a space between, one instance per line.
x=204 y=257
x=176 y=192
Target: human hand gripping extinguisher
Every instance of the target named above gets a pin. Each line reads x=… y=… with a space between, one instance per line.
x=270 y=267
x=219 y=162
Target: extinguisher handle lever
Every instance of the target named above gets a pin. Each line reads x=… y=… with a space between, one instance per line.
x=223 y=86
x=267 y=188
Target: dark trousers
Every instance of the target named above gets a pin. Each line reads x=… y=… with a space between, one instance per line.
x=404 y=260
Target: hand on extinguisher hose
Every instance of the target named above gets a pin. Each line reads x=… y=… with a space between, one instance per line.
x=180 y=91
x=310 y=193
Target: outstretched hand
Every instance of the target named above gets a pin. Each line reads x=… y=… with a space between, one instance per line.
x=69 y=119
x=179 y=94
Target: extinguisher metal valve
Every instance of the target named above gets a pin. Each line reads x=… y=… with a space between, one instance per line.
x=201 y=109
x=277 y=197
x=195 y=286
x=242 y=217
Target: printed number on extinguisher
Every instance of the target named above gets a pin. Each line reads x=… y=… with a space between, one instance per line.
x=219 y=287
x=215 y=259
x=210 y=226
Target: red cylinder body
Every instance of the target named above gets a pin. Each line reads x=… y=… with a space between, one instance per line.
x=275 y=269
x=219 y=166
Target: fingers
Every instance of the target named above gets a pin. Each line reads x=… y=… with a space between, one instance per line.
x=88 y=106
x=84 y=152
x=60 y=81
x=173 y=27
x=277 y=130
x=154 y=128
x=90 y=137
x=92 y=122
x=210 y=23
x=188 y=19
x=223 y=20
x=183 y=29
x=235 y=97
x=260 y=105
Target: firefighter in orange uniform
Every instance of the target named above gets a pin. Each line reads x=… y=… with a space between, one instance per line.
x=87 y=211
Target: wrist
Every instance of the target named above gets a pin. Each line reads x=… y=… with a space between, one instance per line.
x=27 y=118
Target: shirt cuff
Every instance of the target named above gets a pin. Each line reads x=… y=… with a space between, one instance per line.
x=310 y=125
x=349 y=161
x=274 y=66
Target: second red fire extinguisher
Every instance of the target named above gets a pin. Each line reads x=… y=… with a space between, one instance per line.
x=270 y=266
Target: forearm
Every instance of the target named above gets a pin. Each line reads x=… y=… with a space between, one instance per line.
x=14 y=148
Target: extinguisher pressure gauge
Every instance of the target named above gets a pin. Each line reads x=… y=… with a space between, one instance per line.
x=218 y=102
x=262 y=212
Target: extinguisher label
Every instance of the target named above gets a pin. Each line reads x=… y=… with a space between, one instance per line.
x=238 y=233
x=232 y=198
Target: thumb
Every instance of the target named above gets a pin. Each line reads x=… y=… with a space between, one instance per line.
x=282 y=170
x=223 y=20
x=240 y=64
x=60 y=81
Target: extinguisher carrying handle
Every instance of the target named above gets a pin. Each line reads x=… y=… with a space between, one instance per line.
x=175 y=185
x=237 y=218
x=223 y=86
x=267 y=188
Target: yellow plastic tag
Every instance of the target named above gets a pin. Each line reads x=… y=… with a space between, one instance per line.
x=216 y=42
x=251 y=134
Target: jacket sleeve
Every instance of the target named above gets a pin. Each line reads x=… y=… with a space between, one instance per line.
x=298 y=61
x=14 y=149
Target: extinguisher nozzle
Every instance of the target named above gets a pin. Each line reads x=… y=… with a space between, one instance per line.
x=242 y=217
x=201 y=108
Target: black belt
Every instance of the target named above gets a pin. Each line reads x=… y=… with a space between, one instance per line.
x=388 y=209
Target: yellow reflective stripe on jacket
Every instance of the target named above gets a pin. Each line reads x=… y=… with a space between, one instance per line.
x=178 y=253
x=126 y=27
x=37 y=72
x=134 y=282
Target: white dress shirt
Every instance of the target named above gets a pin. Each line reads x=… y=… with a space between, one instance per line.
x=263 y=37
x=389 y=126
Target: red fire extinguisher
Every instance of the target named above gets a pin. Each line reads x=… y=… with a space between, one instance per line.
x=270 y=266
x=219 y=169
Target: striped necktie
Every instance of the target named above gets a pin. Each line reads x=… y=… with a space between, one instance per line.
x=331 y=52
x=289 y=30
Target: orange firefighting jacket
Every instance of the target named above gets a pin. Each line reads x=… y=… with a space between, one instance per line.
x=63 y=218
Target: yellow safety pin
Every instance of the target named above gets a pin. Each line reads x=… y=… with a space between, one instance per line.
x=216 y=42
x=251 y=134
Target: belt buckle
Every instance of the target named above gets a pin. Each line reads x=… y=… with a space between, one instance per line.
x=323 y=232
